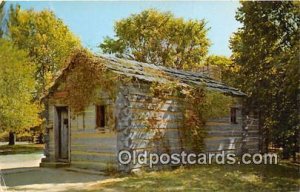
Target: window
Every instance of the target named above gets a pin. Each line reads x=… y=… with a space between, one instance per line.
x=100 y=116
x=233 y=115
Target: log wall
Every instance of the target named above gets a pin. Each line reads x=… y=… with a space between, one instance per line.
x=238 y=138
x=93 y=147
x=146 y=123
x=90 y=147
x=139 y=122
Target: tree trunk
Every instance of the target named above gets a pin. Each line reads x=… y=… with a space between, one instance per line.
x=285 y=152
x=40 y=138
x=11 y=138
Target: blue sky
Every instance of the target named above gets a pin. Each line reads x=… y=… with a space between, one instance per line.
x=91 y=21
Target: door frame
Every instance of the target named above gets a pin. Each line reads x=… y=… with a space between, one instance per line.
x=56 y=134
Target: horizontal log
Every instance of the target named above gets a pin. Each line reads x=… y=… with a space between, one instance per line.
x=94 y=141
x=165 y=108
x=140 y=114
x=149 y=137
x=142 y=126
x=224 y=127
x=253 y=127
x=150 y=99
x=135 y=123
x=222 y=138
x=156 y=143
x=158 y=150
x=222 y=146
x=225 y=133
x=94 y=157
x=93 y=134
x=153 y=101
x=148 y=134
x=107 y=130
x=100 y=148
x=107 y=154
x=252 y=139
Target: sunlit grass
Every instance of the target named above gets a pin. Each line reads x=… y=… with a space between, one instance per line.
x=20 y=148
x=209 y=178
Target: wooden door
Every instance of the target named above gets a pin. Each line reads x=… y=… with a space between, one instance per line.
x=63 y=133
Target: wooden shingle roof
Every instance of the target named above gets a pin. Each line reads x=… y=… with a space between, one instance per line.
x=153 y=73
x=156 y=73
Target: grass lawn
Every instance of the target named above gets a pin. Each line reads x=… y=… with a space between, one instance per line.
x=20 y=148
x=209 y=178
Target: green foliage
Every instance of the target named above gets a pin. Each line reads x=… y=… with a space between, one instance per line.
x=199 y=105
x=2 y=13
x=86 y=77
x=17 y=109
x=159 y=37
x=219 y=68
x=3 y=136
x=215 y=105
x=47 y=40
x=266 y=56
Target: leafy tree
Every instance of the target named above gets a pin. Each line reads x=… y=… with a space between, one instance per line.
x=160 y=38
x=45 y=37
x=266 y=55
x=2 y=13
x=219 y=68
x=17 y=109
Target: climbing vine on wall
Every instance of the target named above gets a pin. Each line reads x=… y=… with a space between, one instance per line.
x=87 y=75
x=198 y=105
x=85 y=79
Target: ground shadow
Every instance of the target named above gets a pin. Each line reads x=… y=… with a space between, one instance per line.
x=41 y=177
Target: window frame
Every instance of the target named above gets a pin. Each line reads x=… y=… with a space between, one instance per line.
x=233 y=115
x=100 y=116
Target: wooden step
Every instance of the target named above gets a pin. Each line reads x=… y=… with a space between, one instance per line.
x=54 y=164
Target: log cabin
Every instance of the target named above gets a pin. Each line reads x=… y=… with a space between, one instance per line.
x=92 y=138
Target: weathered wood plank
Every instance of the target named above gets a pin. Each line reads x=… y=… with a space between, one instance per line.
x=94 y=141
x=150 y=113
x=93 y=134
x=98 y=148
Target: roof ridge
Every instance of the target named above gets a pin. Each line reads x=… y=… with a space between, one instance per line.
x=186 y=76
x=136 y=69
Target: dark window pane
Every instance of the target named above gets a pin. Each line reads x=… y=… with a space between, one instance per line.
x=100 y=116
x=233 y=115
